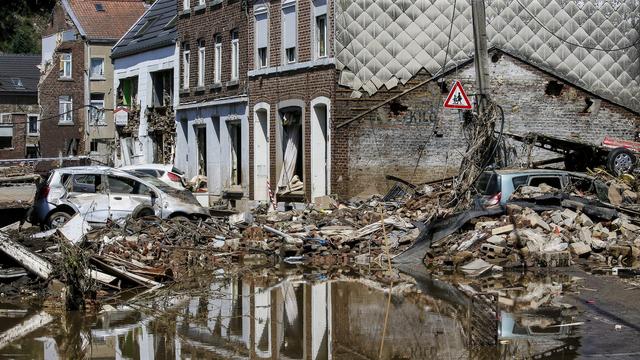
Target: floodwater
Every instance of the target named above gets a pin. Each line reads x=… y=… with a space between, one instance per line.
x=306 y=316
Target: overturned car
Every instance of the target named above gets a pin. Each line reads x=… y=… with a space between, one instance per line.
x=100 y=194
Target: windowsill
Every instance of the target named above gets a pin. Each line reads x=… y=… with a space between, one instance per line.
x=101 y=124
x=65 y=79
x=33 y=134
x=199 y=8
x=292 y=67
x=232 y=83
x=65 y=123
x=184 y=12
x=215 y=86
x=200 y=89
x=184 y=91
x=214 y=3
x=7 y=149
x=97 y=78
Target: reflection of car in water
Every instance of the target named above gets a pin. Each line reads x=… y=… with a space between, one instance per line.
x=531 y=325
x=101 y=193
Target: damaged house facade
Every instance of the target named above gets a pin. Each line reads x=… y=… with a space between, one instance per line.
x=19 y=110
x=146 y=80
x=212 y=123
x=76 y=83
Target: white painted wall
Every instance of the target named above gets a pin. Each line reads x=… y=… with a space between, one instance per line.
x=142 y=65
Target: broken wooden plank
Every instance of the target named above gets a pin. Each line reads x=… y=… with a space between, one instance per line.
x=121 y=273
x=30 y=261
x=29 y=325
x=502 y=229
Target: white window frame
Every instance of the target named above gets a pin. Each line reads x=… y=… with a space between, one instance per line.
x=201 y=62
x=65 y=108
x=186 y=4
x=317 y=37
x=37 y=116
x=96 y=76
x=186 y=62
x=287 y=4
x=2 y=117
x=66 y=64
x=217 y=57
x=235 y=55
x=99 y=104
x=201 y=2
x=261 y=61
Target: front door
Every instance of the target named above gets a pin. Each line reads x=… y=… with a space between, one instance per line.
x=125 y=195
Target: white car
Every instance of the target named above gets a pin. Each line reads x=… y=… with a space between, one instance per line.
x=168 y=174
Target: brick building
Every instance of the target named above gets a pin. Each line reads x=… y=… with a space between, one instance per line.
x=77 y=75
x=292 y=82
x=19 y=111
x=213 y=128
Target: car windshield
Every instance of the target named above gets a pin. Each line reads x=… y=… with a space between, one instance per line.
x=487 y=184
x=153 y=181
x=175 y=170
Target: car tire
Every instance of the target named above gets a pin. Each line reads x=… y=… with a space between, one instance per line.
x=142 y=211
x=57 y=219
x=620 y=161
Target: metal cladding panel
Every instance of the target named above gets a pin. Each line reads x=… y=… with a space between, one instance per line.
x=386 y=42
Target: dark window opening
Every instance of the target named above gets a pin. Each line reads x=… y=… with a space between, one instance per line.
x=6 y=142
x=444 y=89
x=396 y=108
x=554 y=88
x=32 y=152
x=145 y=27
x=162 y=87
x=94 y=146
x=99 y=7
x=127 y=91
x=592 y=106
x=291 y=175
x=496 y=57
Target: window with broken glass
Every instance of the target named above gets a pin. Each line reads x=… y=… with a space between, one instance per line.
x=96 y=110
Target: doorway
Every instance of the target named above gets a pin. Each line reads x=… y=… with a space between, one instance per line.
x=235 y=139
x=291 y=177
x=261 y=155
x=201 y=150
x=320 y=153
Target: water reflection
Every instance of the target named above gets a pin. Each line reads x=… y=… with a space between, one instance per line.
x=255 y=318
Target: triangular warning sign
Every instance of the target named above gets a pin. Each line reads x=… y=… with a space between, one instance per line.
x=457 y=98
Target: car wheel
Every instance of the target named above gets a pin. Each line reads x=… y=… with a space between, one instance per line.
x=620 y=161
x=142 y=212
x=57 y=219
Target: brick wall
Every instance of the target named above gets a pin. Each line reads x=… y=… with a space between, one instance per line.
x=54 y=137
x=305 y=84
x=205 y=24
x=418 y=140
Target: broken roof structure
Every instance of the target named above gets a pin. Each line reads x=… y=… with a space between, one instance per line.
x=591 y=44
x=103 y=20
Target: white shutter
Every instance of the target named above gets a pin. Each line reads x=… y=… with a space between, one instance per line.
x=262 y=31
x=320 y=7
x=290 y=27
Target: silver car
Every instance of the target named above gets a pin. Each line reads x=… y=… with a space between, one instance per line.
x=102 y=193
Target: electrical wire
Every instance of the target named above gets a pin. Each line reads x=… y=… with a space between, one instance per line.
x=637 y=42
x=56 y=117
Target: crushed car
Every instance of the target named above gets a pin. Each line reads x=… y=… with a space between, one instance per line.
x=100 y=194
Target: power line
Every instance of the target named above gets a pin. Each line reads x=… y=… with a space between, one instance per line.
x=572 y=43
x=57 y=117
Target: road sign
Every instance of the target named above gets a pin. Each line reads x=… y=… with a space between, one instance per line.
x=457 y=98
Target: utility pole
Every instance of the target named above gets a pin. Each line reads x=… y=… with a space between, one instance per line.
x=481 y=53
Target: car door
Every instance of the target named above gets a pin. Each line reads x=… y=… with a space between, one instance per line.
x=87 y=193
x=125 y=195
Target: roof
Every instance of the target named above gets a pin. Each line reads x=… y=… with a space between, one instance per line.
x=105 y=20
x=155 y=29
x=19 y=73
x=590 y=44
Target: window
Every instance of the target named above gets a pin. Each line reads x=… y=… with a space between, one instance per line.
x=96 y=111
x=97 y=68
x=217 y=54
x=85 y=183
x=262 y=38
x=290 y=31
x=162 y=88
x=553 y=181
x=143 y=29
x=5 y=118
x=34 y=124
x=122 y=185
x=65 y=65
x=186 y=4
x=99 y=7
x=94 y=146
x=6 y=142
x=519 y=181
x=235 y=55
x=65 y=109
x=200 y=2
x=201 y=63
x=185 y=66
x=321 y=36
